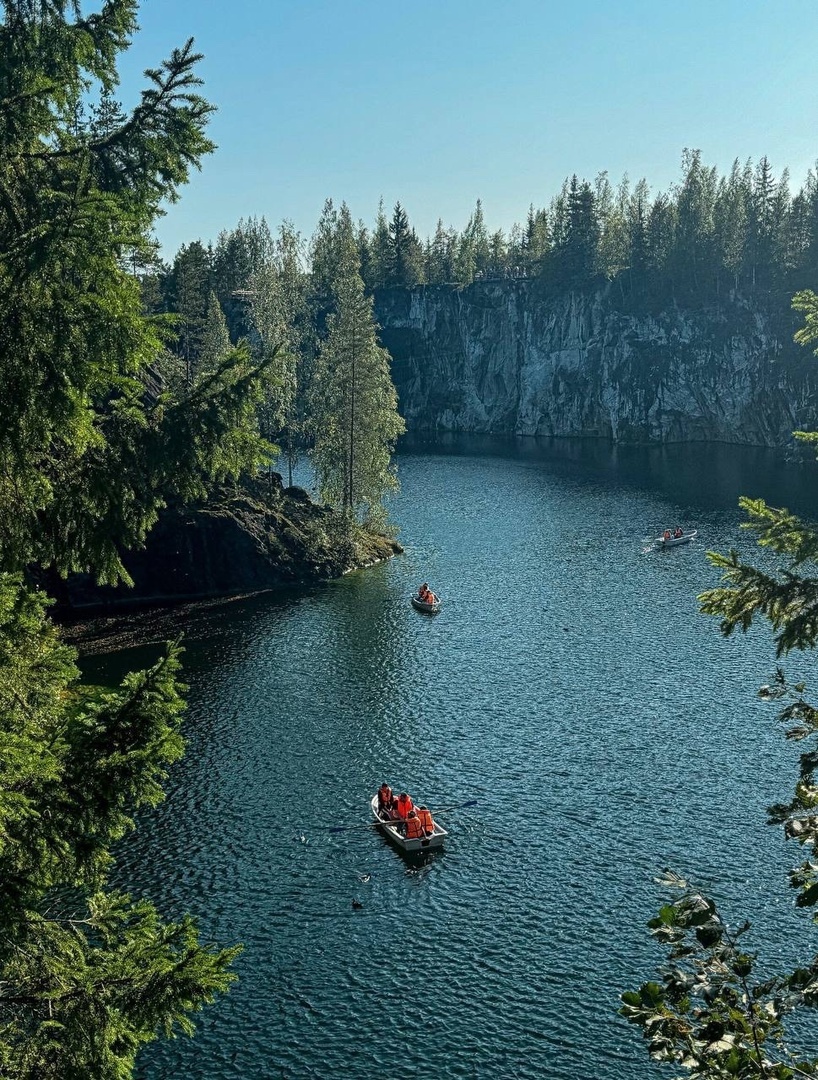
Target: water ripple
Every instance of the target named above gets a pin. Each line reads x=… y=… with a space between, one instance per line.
x=569 y=687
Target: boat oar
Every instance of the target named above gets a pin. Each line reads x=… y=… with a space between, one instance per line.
x=365 y=825
x=374 y=824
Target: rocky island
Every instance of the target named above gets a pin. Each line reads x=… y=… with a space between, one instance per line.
x=244 y=539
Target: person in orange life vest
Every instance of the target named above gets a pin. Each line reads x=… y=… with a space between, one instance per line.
x=666 y=534
x=426 y=822
x=413 y=829
x=384 y=799
x=404 y=806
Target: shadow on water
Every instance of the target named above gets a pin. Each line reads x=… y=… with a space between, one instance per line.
x=415 y=862
x=704 y=475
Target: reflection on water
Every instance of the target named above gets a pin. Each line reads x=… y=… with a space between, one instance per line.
x=691 y=474
x=569 y=687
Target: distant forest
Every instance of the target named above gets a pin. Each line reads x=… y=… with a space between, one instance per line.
x=709 y=235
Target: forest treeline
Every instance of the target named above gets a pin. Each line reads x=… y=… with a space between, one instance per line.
x=709 y=235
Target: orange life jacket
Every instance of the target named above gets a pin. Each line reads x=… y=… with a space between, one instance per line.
x=426 y=822
x=404 y=806
x=414 y=829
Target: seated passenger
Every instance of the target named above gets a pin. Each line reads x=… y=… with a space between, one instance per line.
x=384 y=799
x=413 y=829
x=423 y=592
x=666 y=534
x=404 y=806
x=677 y=532
x=426 y=822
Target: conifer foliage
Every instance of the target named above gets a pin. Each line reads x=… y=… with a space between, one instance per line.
x=353 y=404
x=92 y=443
x=88 y=976
x=89 y=444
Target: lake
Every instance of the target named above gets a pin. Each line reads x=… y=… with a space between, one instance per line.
x=602 y=727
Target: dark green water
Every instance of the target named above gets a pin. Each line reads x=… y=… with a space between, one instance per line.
x=605 y=729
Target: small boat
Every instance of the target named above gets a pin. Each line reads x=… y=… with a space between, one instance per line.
x=674 y=541
x=393 y=833
x=425 y=606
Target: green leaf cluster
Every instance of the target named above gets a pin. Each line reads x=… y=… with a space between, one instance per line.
x=711 y=1013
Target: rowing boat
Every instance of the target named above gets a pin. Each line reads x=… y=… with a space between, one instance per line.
x=674 y=541
x=425 y=606
x=392 y=832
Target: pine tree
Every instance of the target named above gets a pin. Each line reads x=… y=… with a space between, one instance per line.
x=190 y=290
x=279 y=317
x=660 y=235
x=405 y=252
x=730 y=223
x=88 y=975
x=761 y=237
x=440 y=257
x=498 y=255
x=808 y=266
x=612 y=214
x=692 y=252
x=91 y=446
x=514 y=252
x=638 y=211
x=578 y=251
x=378 y=271
x=214 y=346
x=536 y=241
x=353 y=401
x=239 y=254
x=801 y=235
x=324 y=254
x=475 y=249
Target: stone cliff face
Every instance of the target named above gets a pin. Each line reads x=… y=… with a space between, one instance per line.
x=503 y=358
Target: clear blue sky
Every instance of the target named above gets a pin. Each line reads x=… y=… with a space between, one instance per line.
x=437 y=103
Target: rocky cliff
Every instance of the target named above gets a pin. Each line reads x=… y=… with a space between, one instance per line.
x=506 y=358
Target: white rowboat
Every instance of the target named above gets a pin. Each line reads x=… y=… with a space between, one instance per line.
x=674 y=541
x=393 y=833
x=425 y=606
